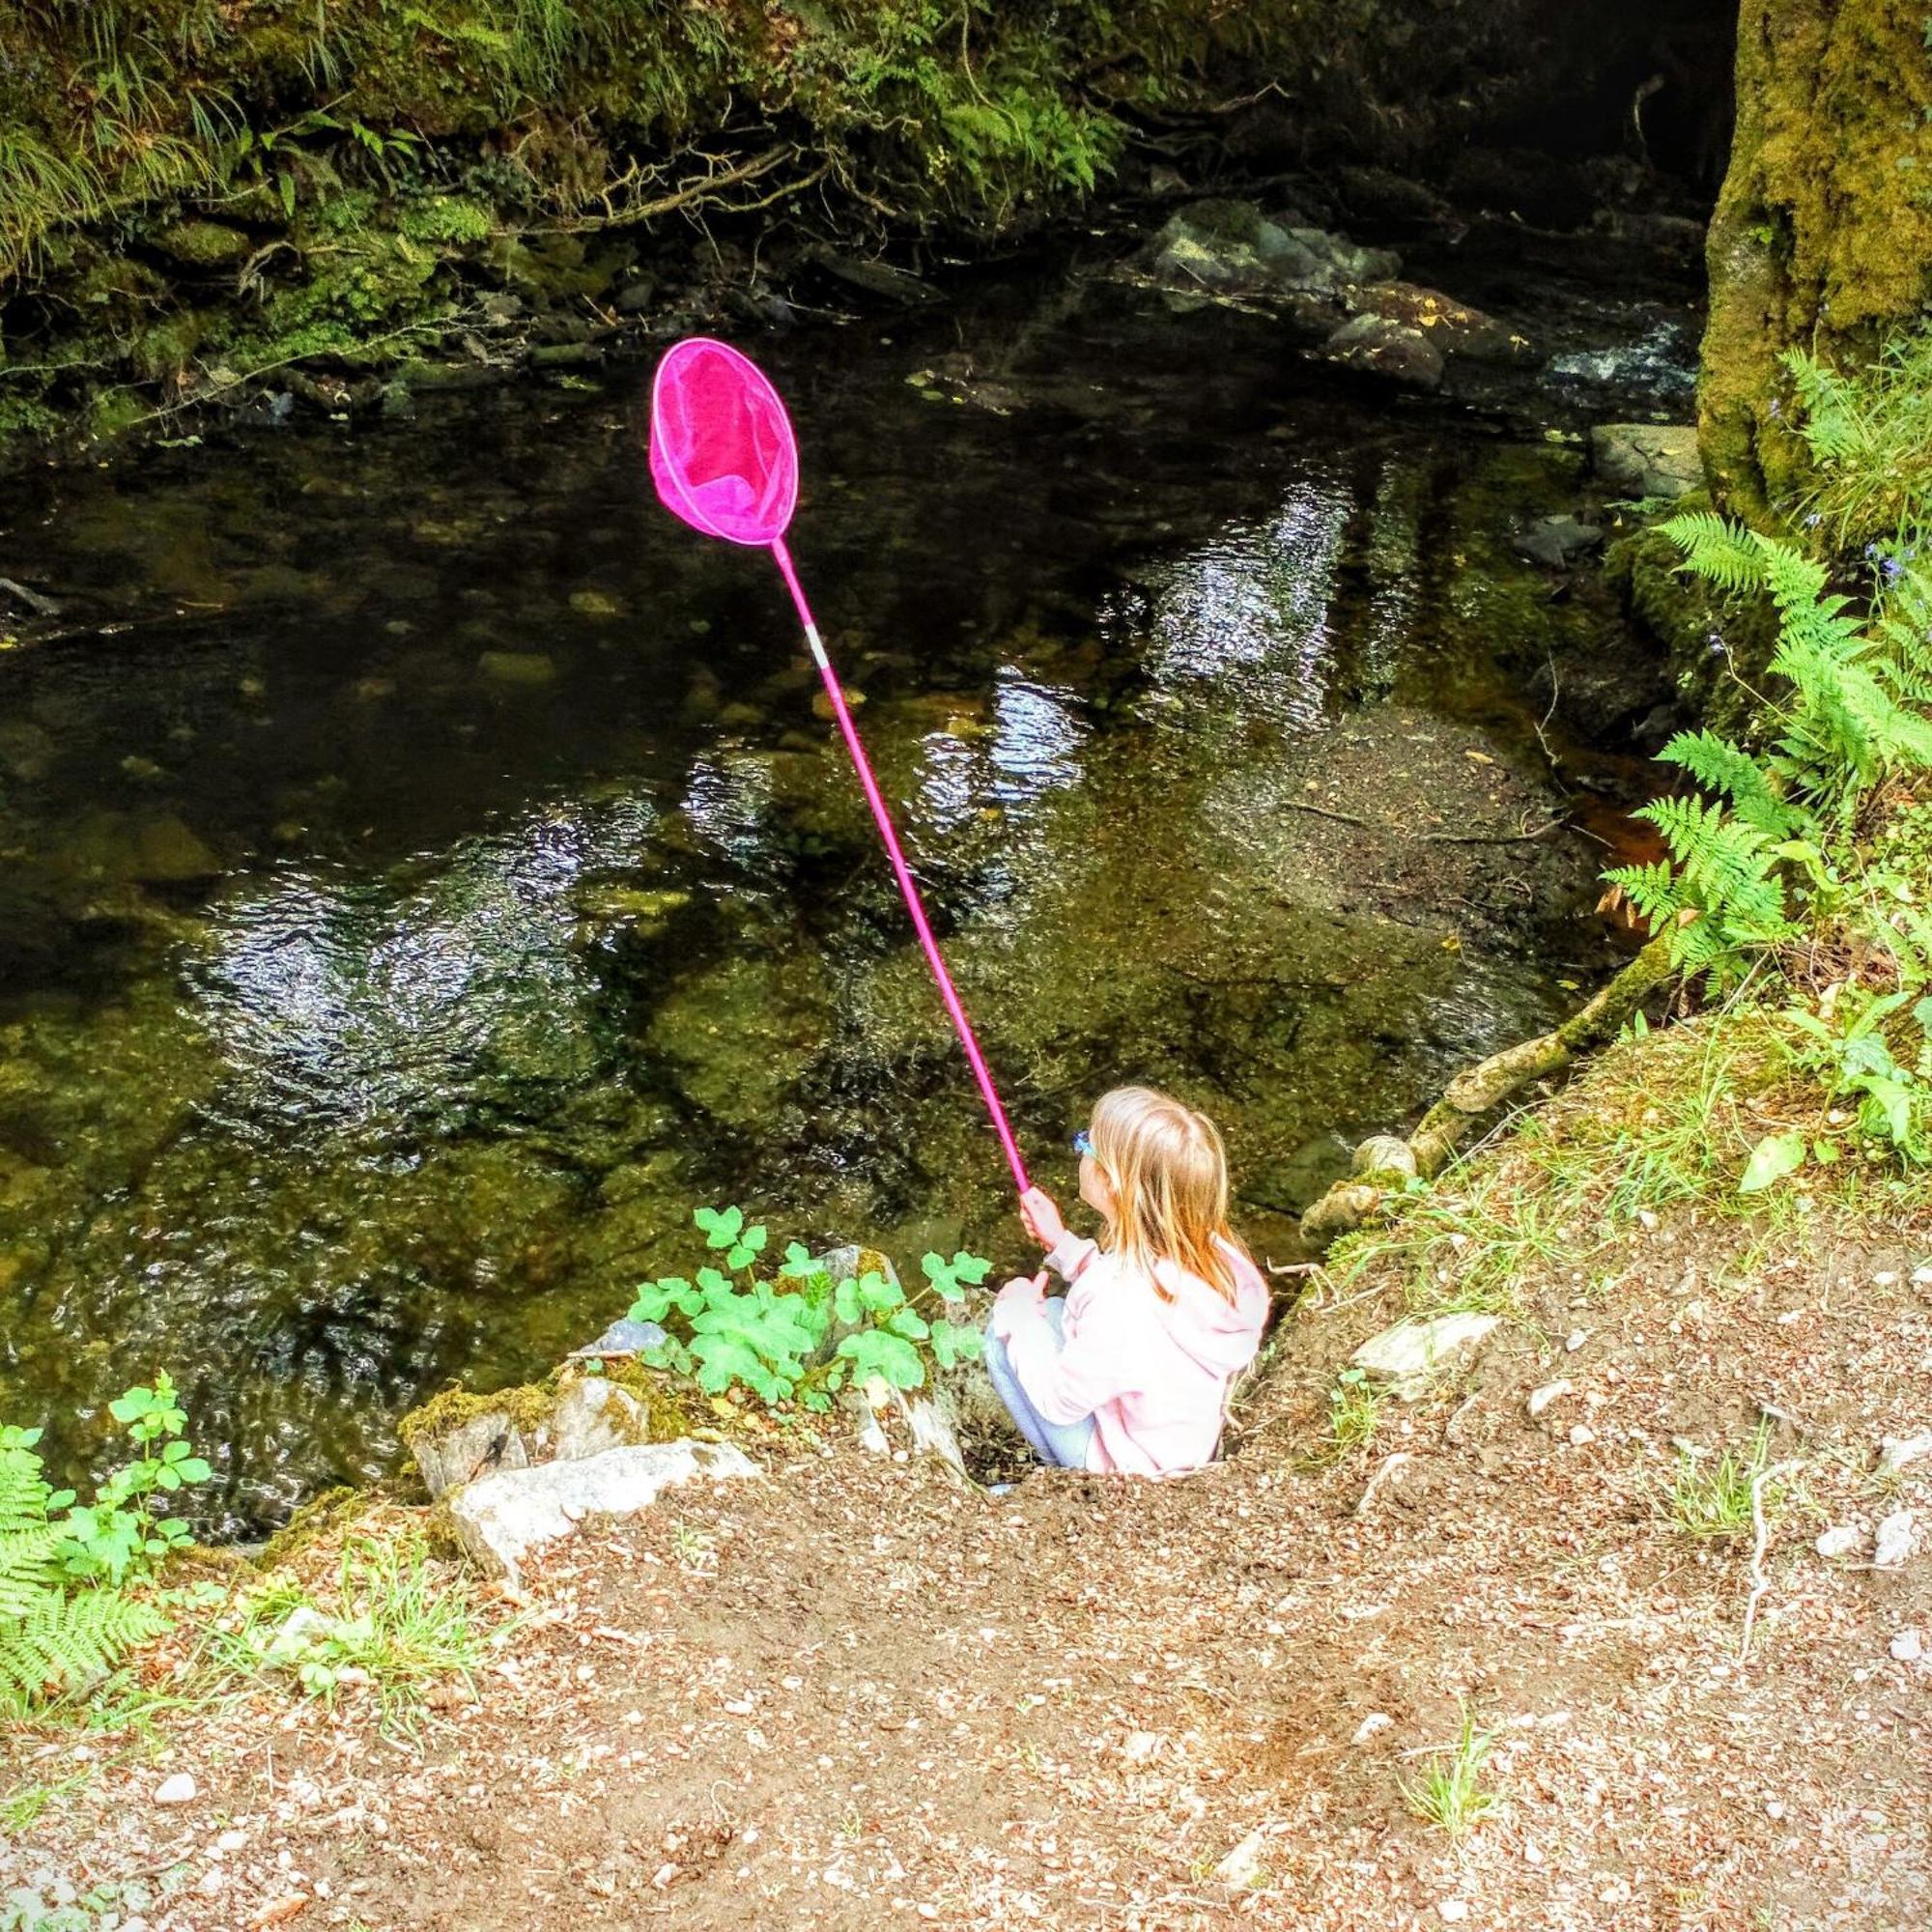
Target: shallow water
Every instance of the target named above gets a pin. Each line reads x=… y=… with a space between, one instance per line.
x=444 y=882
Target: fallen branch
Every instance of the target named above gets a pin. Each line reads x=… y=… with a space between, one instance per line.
x=1340 y=818
x=1493 y=837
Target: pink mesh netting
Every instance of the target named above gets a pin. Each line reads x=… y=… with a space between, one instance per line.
x=723 y=455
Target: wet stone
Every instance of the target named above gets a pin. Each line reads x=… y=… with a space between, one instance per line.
x=522 y=668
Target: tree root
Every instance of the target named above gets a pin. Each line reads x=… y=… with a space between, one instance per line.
x=1383 y=1162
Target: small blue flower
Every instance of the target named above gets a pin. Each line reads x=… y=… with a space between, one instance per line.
x=1892 y=567
x=1812 y=522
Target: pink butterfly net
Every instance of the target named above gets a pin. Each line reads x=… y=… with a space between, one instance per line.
x=723 y=454
x=725 y=460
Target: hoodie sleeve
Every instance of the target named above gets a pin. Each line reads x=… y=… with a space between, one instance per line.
x=1067 y=1384
x=1071 y=1254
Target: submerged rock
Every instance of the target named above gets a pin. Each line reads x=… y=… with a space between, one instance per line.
x=1648 y=459
x=523 y=668
x=1556 y=541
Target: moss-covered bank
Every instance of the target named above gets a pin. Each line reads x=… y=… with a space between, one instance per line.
x=192 y=194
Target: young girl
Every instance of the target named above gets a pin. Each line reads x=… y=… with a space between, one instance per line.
x=1131 y=1369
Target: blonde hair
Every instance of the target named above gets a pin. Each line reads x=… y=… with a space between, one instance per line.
x=1169 y=1176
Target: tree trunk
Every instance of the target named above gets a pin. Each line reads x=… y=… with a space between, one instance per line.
x=1822 y=238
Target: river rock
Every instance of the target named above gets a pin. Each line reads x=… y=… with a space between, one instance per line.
x=1394 y=350
x=1900 y=1452
x=153 y=850
x=1413 y=1355
x=1231 y=246
x=1893 y=1543
x=1556 y=541
x=1343 y=1208
x=501 y=1520
x=1453 y=327
x=478 y=1443
x=180 y=1789
x=1647 y=459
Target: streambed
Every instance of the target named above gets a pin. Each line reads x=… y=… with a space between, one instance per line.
x=445 y=881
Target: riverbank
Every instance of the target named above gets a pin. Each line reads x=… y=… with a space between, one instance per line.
x=842 y=1692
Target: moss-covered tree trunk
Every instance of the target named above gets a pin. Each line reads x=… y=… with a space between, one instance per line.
x=1822 y=235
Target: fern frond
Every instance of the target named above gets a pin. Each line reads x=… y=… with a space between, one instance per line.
x=61 y=1642
x=1723 y=767
x=1719 y=551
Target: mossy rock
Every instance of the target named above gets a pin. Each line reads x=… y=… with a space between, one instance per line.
x=316 y=1518
x=203 y=244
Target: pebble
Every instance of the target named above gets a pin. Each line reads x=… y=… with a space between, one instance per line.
x=1374 y=1722
x=1574 y=1340
x=231 y=1841
x=1908 y=1646
x=1540 y=1399
x=180 y=1789
x=1581 y=1435
x=1840 y=1540
x=1236 y=1871
x=1895 y=1541
x=1897 y=1452
x=1922 y=1277
x=1453 y=1910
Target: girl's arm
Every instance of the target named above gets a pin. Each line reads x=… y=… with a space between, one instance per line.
x=1067 y=1383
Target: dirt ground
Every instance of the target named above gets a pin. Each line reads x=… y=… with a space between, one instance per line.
x=852 y=1693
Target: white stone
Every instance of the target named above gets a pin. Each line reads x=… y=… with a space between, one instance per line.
x=1540 y=1399
x=1898 y=1452
x=499 y=1519
x=1582 y=1435
x=1375 y=1723
x=1908 y=1646
x=292 y=1639
x=231 y=1841
x=180 y=1789
x=1451 y=1909
x=1895 y=1541
x=1840 y=1540
x=1236 y=1871
x=594 y=1414
x=477 y=1446
x=1573 y=1341
x=1412 y=1355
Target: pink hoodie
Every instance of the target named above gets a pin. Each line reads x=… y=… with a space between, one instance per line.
x=1153 y=1373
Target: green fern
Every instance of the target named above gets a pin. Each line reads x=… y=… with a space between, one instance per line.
x=51 y=1638
x=1731 y=772
x=1719 y=551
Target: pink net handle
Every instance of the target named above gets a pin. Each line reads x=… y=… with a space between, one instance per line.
x=723 y=454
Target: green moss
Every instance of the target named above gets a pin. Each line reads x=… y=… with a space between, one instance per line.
x=203 y=244
x=1717 y=652
x=668 y=1402
x=316 y=1518
x=448 y=217
x=527 y=1406
x=1822 y=236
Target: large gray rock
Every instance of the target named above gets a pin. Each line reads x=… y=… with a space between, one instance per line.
x=1648 y=459
x=1413 y=1355
x=501 y=1520
x=1231 y=248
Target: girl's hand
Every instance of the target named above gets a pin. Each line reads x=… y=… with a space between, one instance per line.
x=1018 y=1293
x=1041 y=1217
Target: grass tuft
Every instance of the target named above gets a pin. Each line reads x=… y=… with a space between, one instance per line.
x=1449 y=1793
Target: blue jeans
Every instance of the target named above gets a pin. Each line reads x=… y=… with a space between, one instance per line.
x=1060 y=1445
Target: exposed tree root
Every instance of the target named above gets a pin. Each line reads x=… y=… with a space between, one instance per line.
x=1383 y=1162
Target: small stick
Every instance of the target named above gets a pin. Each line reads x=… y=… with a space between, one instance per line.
x=1493 y=837
x=1760 y=1582
x=1340 y=818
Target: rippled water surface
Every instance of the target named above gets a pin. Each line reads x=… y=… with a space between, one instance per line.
x=444 y=881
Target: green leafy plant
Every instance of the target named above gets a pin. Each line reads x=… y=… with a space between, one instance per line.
x=54 y=1635
x=798 y=1334
x=1870 y=435
x=121 y=1533
x=1449 y=1793
x=1353 y=1405
x=393 y=1628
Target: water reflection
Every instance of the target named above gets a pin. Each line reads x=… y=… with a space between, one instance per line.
x=1246 y=617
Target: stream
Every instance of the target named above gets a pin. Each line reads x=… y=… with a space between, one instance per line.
x=444 y=880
